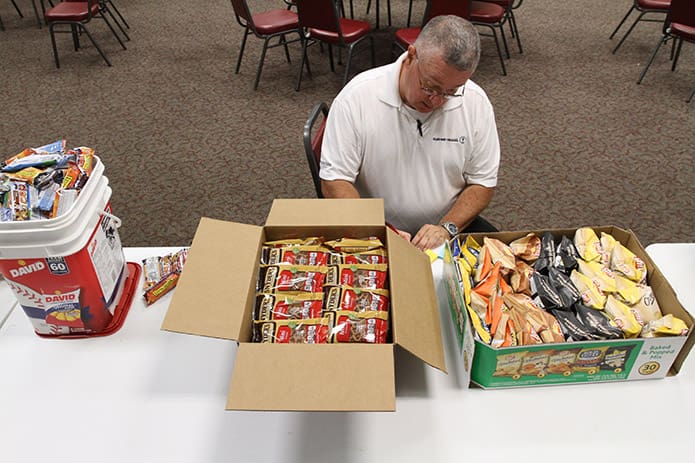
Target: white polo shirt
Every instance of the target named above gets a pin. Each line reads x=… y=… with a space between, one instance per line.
x=372 y=140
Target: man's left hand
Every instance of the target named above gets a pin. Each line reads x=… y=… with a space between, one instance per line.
x=430 y=237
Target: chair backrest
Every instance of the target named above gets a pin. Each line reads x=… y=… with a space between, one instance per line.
x=319 y=14
x=682 y=12
x=312 y=142
x=242 y=12
x=434 y=8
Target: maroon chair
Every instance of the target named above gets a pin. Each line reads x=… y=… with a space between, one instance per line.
x=267 y=26
x=76 y=14
x=313 y=138
x=320 y=21
x=509 y=18
x=678 y=26
x=645 y=7
x=407 y=36
x=492 y=16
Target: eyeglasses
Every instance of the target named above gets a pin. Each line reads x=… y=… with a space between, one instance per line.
x=430 y=92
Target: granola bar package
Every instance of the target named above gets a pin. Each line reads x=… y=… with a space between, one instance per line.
x=273 y=278
x=354 y=245
x=356 y=299
x=358 y=276
x=373 y=256
x=310 y=331
x=288 y=306
x=364 y=327
x=535 y=363
x=295 y=255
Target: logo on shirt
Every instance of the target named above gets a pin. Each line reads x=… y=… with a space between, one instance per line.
x=461 y=139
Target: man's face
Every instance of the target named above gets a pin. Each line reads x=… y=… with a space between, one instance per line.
x=427 y=82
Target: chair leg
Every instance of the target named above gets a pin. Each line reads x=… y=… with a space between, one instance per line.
x=118 y=13
x=621 y=22
x=36 y=13
x=628 y=32
x=2 y=26
x=516 y=30
x=690 y=98
x=499 y=50
x=371 y=48
x=330 y=57
x=113 y=31
x=260 y=63
x=678 y=52
x=96 y=45
x=410 y=12
x=662 y=40
x=19 y=12
x=108 y=10
x=241 y=50
x=75 y=37
x=388 y=11
x=53 y=43
x=301 y=66
x=283 y=41
x=347 y=65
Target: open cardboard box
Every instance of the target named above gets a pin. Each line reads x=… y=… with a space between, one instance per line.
x=647 y=359
x=215 y=297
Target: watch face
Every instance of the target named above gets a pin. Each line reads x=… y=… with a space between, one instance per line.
x=451 y=228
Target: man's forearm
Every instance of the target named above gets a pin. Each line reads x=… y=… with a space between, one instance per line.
x=338 y=189
x=471 y=202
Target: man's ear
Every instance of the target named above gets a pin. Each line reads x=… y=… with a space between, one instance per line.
x=412 y=53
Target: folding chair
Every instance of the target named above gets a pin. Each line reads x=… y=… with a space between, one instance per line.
x=645 y=7
x=313 y=137
x=320 y=21
x=77 y=14
x=678 y=26
x=265 y=25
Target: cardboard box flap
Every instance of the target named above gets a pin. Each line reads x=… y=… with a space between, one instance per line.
x=318 y=212
x=216 y=281
x=415 y=319
x=311 y=377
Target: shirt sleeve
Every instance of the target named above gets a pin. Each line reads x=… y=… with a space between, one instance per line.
x=341 y=150
x=484 y=163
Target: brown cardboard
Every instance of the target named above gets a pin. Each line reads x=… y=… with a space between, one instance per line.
x=215 y=297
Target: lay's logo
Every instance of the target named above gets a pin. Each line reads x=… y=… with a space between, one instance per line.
x=26 y=269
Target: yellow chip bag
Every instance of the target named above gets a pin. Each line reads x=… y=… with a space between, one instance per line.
x=647 y=307
x=602 y=276
x=623 y=317
x=591 y=294
x=587 y=244
x=628 y=264
x=665 y=326
x=628 y=291
x=607 y=245
x=470 y=250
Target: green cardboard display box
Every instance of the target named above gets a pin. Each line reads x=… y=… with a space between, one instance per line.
x=587 y=362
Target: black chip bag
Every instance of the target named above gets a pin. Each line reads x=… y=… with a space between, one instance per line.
x=547 y=256
x=545 y=292
x=571 y=327
x=569 y=294
x=566 y=255
x=597 y=322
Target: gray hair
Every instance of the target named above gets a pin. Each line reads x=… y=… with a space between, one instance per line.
x=453 y=38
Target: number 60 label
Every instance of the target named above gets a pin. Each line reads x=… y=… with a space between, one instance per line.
x=57 y=265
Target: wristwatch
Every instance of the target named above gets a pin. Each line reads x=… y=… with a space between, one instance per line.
x=451 y=228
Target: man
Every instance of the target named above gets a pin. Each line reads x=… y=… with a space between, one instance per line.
x=419 y=134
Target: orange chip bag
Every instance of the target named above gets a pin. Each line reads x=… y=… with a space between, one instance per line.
x=527 y=248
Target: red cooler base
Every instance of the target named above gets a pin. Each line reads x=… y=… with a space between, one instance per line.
x=130 y=287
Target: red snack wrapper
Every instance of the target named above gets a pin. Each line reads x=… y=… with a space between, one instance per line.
x=358 y=276
x=365 y=327
x=355 y=299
